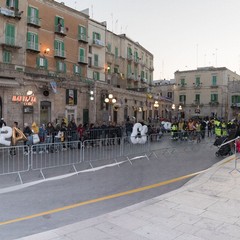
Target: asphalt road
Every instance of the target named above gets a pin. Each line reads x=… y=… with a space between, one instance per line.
x=170 y=160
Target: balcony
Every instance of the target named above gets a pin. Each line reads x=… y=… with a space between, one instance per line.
x=9 y=42
x=182 y=85
x=197 y=85
x=151 y=68
x=83 y=60
x=129 y=57
x=98 y=43
x=31 y=46
x=235 y=105
x=60 y=30
x=14 y=13
x=59 y=53
x=183 y=103
x=83 y=38
x=97 y=65
x=214 y=86
x=136 y=60
x=213 y=103
x=144 y=80
x=130 y=76
x=34 y=21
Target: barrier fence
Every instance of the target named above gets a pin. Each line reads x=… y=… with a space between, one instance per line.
x=94 y=152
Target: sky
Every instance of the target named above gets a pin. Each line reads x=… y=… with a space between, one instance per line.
x=181 y=34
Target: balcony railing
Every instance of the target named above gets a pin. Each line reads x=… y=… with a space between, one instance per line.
x=83 y=60
x=82 y=37
x=98 y=43
x=59 y=53
x=34 y=21
x=9 y=42
x=60 y=30
x=33 y=46
x=213 y=103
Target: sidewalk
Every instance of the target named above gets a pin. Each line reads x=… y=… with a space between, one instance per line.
x=207 y=207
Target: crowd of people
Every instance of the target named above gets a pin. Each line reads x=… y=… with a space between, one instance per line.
x=200 y=128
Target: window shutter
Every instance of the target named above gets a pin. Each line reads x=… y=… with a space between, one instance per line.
x=64 y=67
x=29 y=11
x=8 y=3
x=56 y=21
x=16 y=4
x=75 y=97
x=55 y=44
x=67 y=96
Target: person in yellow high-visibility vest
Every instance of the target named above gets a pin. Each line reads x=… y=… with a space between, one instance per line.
x=218 y=128
x=224 y=129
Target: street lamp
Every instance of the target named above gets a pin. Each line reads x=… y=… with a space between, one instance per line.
x=110 y=100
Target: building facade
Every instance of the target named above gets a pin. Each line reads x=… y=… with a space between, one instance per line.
x=203 y=92
x=54 y=65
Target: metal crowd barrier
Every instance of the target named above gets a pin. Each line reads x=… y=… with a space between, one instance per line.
x=45 y=156
x=96 y=152
x=13 y=160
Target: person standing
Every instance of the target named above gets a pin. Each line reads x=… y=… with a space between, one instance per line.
x=2 y=123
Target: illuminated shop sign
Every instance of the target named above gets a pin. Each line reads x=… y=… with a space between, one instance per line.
x=26 y=100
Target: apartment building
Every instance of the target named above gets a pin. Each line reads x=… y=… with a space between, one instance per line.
x=203 y=92
x=165 y=97
x=54 y=65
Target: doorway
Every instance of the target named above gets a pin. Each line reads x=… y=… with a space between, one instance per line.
x=45 y=112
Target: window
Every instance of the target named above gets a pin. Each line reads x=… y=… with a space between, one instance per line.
x=197 y=81
x=182 y=82
x=169 y=95
x=33 y=15
x=96 y=60
x=7 y=57
x=214 y=80
x=89 y=61
x=182 y=99
x=135 y=73
x=116 y=69
x=116 y=52
x=197 y=98
x=59 y=48
x=214 y=97
x=136 y=56
x=142 y=74
x=12 y=4
x=59 y=24
x=90 y=49
x=96 y=36
x=129 y=52
x=82 y=57
x=42 y=62
x=77 y=69
x=235 y=99
x=109 y=47
x=61 y=67
x=82 y=33
x=71 y=96
x=96 y=75
x=32 y=41
x=129 y=70
x=10 y=34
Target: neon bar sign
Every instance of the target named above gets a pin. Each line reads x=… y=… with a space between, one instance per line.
x=26 y=100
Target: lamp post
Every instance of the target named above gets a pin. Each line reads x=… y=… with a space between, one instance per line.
x=110 y=100
x=156 y=106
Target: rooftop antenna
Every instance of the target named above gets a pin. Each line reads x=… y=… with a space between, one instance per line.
x=92 y=10
x=75 y=3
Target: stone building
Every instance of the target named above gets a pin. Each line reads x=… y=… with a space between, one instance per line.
x=203 y=92
x=54 y=64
